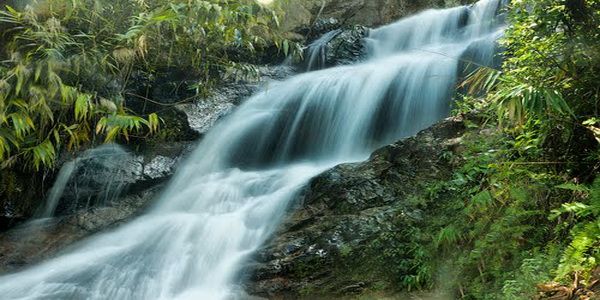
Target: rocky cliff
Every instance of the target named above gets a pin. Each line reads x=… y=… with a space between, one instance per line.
x=352 y=219
x=302 y=15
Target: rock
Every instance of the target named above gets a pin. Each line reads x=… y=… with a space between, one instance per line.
x=332 y=243
x=338 y=47
x=102 y=176
x=301 y=14
x=134 y=179
x=203 y=114
x=19 y=195
x=38 y=240
x=175 y=127
x=322 y=26
x=159 y=167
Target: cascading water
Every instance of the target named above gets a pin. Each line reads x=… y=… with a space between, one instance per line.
x=232 y=193
x=317 y=51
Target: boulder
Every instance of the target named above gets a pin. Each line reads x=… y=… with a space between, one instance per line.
x=204 y=113
x=102 y=188
x=301 y=15
x=37 y=240
x=337 y=47
x=334 y=242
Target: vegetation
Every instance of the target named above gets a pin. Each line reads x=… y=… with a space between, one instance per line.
x=65 y=65
x=522 y=216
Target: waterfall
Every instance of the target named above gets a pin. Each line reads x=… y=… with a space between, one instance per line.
x=233 y=191
x=317 y=50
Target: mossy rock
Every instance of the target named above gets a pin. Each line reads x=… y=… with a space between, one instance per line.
x=20 y=195
x=355 y=229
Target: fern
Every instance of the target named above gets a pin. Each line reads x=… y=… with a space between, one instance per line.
x=582 y=254
x=515 y=100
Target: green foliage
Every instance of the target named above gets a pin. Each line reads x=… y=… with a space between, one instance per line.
x=583 y=251
x=532 y=271
x=522 y=210
x=552 y=67
x=489 y=222
x=58 y=58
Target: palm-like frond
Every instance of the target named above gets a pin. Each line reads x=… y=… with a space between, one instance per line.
x=516 y=100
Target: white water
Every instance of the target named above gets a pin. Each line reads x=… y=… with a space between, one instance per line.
x=233 y=192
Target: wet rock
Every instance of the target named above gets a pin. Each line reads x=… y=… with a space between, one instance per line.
x=204 y=113
x=324 y=25
x=40 y=239
x=348 y=46
x=82 y=211
x=103 y=176
x=320 y=27
x=331 y=244
x=159 y=167
x=338 y=47
x=302 y=16
x=176 y=127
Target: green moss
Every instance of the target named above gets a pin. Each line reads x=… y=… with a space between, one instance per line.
x=9 y=187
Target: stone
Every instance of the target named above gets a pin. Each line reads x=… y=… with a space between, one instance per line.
x=37 y=240
x=341 y=47
x=204 y=113
x=302 y=16
x=330 y=245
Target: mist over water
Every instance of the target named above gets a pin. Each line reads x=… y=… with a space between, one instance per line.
x=232 y=193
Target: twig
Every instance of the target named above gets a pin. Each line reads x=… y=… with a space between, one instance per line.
x=163 y=104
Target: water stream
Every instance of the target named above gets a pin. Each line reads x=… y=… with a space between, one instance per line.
x=230 y=196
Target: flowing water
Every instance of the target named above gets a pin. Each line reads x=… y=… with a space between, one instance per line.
x=232 y=193
x=317 y=51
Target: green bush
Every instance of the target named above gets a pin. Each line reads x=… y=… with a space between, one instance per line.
x=523 y=210
x=64 y=65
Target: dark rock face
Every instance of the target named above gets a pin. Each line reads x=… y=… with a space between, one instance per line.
x=348 y=46
x=332 y=244
x=320 y=27
x=102 y=176
x=132 y=181
x=205 y=113
x=341 y=47
x=37 y=240
x=19 y=196
x=302 y=15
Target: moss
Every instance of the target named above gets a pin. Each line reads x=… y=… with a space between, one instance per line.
x=9 y=188
x=20 y=195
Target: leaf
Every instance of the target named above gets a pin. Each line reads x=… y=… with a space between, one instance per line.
x=22 y=124
x=483 y=199
x=43 y=154
x=286 y=47
x=82 y=107
x=12 y=10
x=275 y=18
x=573 y=187
x=111 y=134
x=153 y=122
